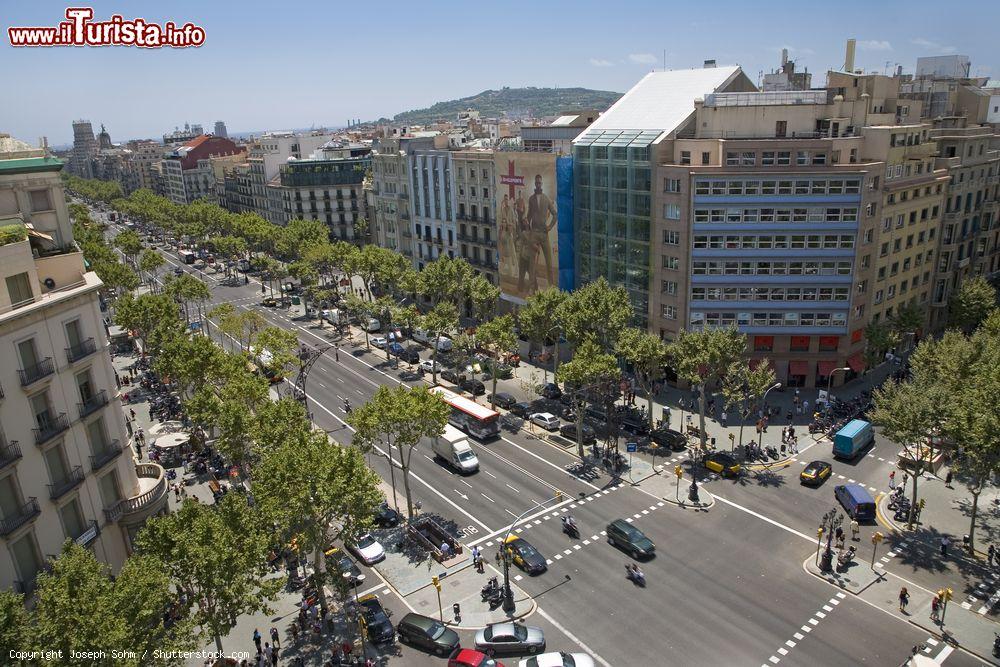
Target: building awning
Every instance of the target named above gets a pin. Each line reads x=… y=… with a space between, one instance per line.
x=857 y=362
x=826 y=367
x=798 y=368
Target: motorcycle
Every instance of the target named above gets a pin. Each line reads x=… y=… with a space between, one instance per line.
x=635 y=575
x=491 y=588
x=570 y=528
x=846 y=557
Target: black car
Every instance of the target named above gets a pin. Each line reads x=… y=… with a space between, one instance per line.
x=630 y=539
x=569 y=431
x=522 y=409
x=386 y=517
x=503 y=399
x=450 y=375
x=526 y=556
x=550 y=390
x=473 y=386
x=411 y=355
x=669 y=438
x=335 y=557
x=178 y=271
x=427 y=633
x=377 y=624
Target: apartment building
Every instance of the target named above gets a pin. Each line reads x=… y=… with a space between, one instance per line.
x=432 y=185
x=187 y=173
x=475 y=201
x=393 y=225
x=145 y=152
x=66 y=469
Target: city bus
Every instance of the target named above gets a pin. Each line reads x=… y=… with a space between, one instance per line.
x=187 y=256
x=477 y=420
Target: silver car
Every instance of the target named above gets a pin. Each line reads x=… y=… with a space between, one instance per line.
x=546 y=420
x=510 y=639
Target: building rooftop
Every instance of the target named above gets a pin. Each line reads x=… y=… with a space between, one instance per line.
x=661 y=101
x=29 y=164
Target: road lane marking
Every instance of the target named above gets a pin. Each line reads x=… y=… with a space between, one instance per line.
x=487 y=497
x=573 y=638
x=490 y=474
x=514 y=489
x=765 y=518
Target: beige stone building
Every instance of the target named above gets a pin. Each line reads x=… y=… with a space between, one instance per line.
x=475 y=212
x=66 y=468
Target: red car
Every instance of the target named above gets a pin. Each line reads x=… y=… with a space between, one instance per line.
x=466 y=657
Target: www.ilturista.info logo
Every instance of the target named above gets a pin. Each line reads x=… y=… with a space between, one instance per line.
x=80 y=30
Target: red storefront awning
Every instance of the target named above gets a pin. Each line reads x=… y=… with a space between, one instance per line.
x=798 y=368
x=826 y=367
x=857 y=362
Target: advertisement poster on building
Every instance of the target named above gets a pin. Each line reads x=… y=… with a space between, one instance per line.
x=527 y=217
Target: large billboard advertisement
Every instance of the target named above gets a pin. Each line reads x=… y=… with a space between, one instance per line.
x=527 y=218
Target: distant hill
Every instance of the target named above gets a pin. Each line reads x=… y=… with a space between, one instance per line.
x=514 y=102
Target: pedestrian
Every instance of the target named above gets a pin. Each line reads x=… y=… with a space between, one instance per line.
x=498 y=558
x=275 y=637
x=892 y=480
x=945 y=543
x=274 y=658
x=256 y=639
x=840 y=537
x=947 y=479
x=445 y=550
x=131 y=412
x=904 y=598
x=295 y=632
x=991 y=554
x=855 y=531
x=723 y=419
x=336 y=353
x=268 y=653
x=935 y=607
x=177 y=492
x=805 y=407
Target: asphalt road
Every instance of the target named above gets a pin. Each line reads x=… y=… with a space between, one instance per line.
x=726 y=587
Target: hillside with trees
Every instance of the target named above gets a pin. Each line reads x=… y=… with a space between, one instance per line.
x=514 y=102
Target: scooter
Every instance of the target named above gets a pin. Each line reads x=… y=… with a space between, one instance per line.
x=847 y=557
x=491 y=589
x=635 y=575
x=570 y=528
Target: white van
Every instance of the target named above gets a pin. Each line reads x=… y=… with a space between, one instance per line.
x=453 y=446
x=422 y=336
x=444 y=344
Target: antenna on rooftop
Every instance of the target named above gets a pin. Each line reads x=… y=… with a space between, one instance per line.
x=664 y=60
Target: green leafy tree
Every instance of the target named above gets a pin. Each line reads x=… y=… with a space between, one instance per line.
x=908 y=319
x=648 y=356
x=154 y=318
x=880 y=337
x=129 y=243
x=150 y=262
x=597 y=311
x=483 y=297
x=539 y=321
x=217 y=556
x=14 y=622
x=405 y=416
x=283 y=346
x=186 y=289
x=311 y=486
x=971 y=304
x=590 y=369
x=703 y=357
x=442 y=320
x=498 y=338
x=81 y=607
x=363 y=310
x=743 y=388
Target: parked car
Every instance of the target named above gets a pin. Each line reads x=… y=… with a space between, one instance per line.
x=379 y=341
x=342 y=562
x=522 y=409
x=410 y=355
x=444 y=344
x=559 y=659
x=629 y=539
x=429 y=365
x=503 y=399
x=569 y=431
x=427 y=633
x=368 y=549
x=669 y=438
x=546 y=420
x=473 y=386
x=373 y=325
x=451 y=375
x=550 y=390
x=386 y=517
x=509 y=638
x=378 y=627
x=466 y=657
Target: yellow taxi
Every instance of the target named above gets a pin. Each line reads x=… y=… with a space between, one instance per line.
x=524 y=555
x=722 y=463
x=815 y=473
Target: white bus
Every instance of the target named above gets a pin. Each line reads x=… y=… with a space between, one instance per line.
x=477 y=420
x=187 y=256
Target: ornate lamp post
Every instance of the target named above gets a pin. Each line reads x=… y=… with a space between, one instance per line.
x=829 y=524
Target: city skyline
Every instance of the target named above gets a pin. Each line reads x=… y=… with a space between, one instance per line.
x=286 y=83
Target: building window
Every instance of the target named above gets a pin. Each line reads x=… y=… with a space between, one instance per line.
x=672 y=263
x=671 y=185
x=763 y=343
x=671 y=237
x=799 y=344
x=828 y=343
x=40 y=201
x=669 y=287
x=672 y=211
x=706 y=158
x=732 y=159
x=685 y=157
x=19 y=290
x=669 y=312
x=780 y=128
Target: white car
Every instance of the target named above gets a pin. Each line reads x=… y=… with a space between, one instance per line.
x=429 y=365
x=368 y=549
x=559 y=659
x=546 y=420
x=380 y=342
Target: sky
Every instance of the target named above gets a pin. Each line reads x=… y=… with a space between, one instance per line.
x=297 y=64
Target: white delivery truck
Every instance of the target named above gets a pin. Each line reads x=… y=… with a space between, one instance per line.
x=453 y=446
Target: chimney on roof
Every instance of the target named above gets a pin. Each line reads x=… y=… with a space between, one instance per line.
x=709 y=64
x=849 y=56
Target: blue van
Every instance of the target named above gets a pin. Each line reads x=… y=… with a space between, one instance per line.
x=856 y=500
x=855 y=436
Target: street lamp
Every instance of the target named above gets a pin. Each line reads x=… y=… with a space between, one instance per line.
x=354 y=581
x=505 y=553
x=829 y=383
x=829 y=524
x=763 y=399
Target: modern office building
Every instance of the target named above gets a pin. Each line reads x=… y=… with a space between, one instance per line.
x=84 y=149
x=392 y=226
x=220 y=129
x=66 y=468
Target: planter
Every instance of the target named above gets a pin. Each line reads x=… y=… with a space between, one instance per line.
x=429 y=534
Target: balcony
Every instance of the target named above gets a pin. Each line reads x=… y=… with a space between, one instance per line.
x=110 y=452
x=81 y=350
x=92 y=404
x=62 y=487
x=34 y=373
x=89 y=534
x=10 y=452
x=152 y=489
x=23 y=515
x=51 y=428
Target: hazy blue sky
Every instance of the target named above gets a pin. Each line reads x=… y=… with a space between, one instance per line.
x=274 y=65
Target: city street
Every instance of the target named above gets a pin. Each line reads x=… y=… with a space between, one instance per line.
x=726 y=586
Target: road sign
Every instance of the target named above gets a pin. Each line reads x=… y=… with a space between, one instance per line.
x=631 y=446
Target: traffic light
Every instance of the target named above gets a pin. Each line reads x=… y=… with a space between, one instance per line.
x=679 y=471
x=877 y=537
x=437 y=583
x=732 y=437
x=921 y=503
x=559 y=496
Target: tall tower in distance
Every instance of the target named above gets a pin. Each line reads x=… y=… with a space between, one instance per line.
x=220 y=129
x=84 y=149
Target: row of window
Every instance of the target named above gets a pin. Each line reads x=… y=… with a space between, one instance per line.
x=771 y=215
x=839 y=186
x=779 y=241
x=749 y=158
x=760 y=268
x=621 y=153
x=769 y=319
x=771 y=293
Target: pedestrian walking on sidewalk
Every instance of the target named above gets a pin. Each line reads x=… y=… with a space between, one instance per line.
x=904 y=598
x=945 y=543
x=855 y=530
x=723 y=419
x=256 y=639
x=892 y=480
x=935 y=607
x=275 y=637
x=947 y=479
x=131 y=412
x=990 y=555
